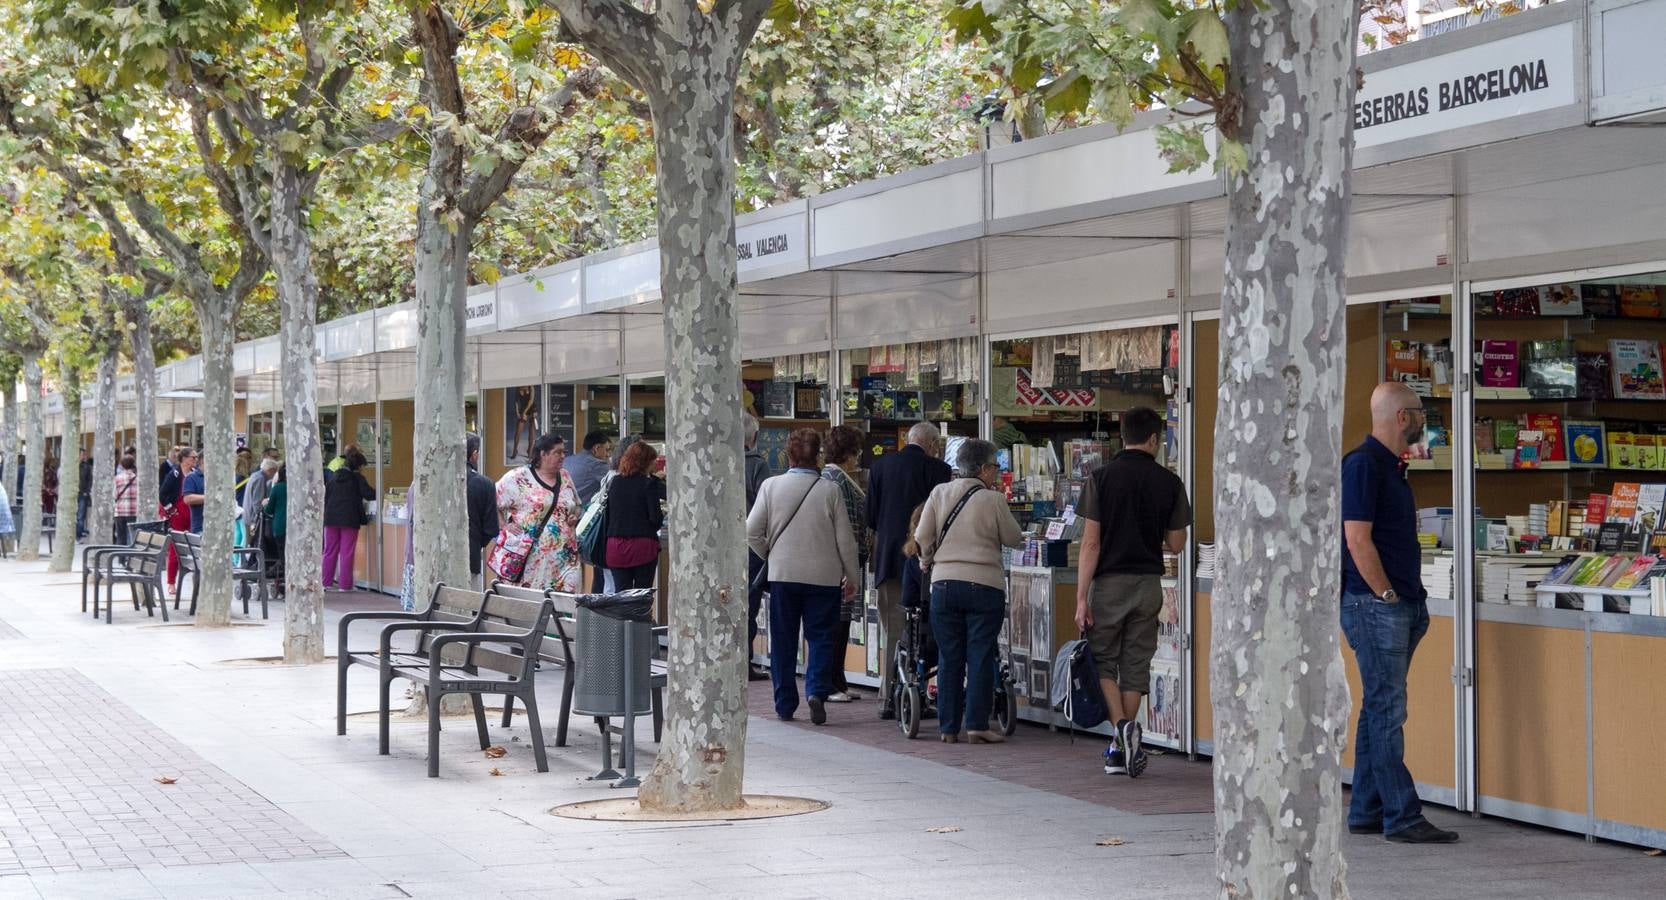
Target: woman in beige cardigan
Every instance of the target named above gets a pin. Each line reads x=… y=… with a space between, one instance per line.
x=799 y=527
x=962 y=529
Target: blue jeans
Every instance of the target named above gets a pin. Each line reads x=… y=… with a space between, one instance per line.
x=966 y=618
x=82 y=502
x=816 y=607
x=1383 y=636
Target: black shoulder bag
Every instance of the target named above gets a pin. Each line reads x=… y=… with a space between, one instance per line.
x=949 y=523
x=762 y=578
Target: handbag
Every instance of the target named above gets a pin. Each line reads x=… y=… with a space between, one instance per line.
x=592 y=528
x=511 y=551
x=762 y=578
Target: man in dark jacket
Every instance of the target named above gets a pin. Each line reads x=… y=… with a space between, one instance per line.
x=482 y=501
x=757 y=469
x=84 y=494
x=897 y=483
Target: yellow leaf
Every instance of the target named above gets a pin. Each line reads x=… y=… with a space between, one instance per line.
x=569 y=57
x=1110 y=842
x=705 y=5
x=418 y=111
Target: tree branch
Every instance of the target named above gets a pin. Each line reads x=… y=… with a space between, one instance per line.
x=526 y=129
x=618 y=33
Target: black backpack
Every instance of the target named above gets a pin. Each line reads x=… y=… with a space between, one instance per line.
x=1076 y=690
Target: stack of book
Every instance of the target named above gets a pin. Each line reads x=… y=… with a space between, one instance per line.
x=1205 y=560
x=1525 y=580
x=1437 y=575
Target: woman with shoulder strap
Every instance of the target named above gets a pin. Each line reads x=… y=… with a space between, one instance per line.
x=538 y=509
x=962 y=529
x=800 y=529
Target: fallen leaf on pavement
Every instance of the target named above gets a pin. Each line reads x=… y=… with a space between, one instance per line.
x=943 y=829
x=495 y=772
x=163 y=779
x=1109 y=842
x=495 y=752
x=1654 y=852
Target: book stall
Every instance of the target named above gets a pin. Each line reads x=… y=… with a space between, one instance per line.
x=1055 y=404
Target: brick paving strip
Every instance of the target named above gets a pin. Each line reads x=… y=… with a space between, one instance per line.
x=1033 y=757
x=78 y=789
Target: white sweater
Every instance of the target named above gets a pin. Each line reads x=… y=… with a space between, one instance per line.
x=971 y=550
x=818 y=546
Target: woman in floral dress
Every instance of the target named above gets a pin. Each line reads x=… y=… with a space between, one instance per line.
x=524 y=496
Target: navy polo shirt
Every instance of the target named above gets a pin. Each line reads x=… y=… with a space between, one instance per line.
x=195 y=483
x=1375 y=490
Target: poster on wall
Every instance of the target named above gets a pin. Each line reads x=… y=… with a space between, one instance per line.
x=564 y=414
x=377 y=448
x=522 y=423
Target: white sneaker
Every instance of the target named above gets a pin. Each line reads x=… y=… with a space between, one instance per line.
x=841 y=697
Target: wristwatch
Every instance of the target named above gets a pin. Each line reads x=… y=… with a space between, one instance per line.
x=1389 y=596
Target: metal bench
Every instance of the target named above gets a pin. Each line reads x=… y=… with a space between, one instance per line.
x=449 y=609
x=142 y=568
x=501 y=657
x=248 y=571
x=91 y=573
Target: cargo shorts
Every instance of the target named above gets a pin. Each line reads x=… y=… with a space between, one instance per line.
x=1124 y=632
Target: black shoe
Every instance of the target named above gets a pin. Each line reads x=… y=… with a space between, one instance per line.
x=754 y=673
x=1424 y=833
x=1366 y=829
x=818 y=711
x=887 y=712
x=1131 y=734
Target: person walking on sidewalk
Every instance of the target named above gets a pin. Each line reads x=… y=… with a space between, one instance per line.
x=801 y=531
x=1133 y=510
x=962 y=529
x=1385 y=613
x=898 y=482
x=126 y=506
x=635 y=514
x=844 y=453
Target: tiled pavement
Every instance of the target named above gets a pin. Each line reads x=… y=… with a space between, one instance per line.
x=1034 y=757
x=7 y=631
x=84 y=789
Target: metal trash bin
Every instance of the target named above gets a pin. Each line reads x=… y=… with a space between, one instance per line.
x=599 y=649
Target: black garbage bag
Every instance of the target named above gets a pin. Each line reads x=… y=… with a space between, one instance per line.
x=635 y=605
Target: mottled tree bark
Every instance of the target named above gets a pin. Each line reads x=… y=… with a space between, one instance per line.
x=219 y=454
x=69 y=470
x=8 y=435
x=1276 y=674
x=144 y=393
x=34 y=458
x=290 y=249
x=101 y=517
x=687 y=62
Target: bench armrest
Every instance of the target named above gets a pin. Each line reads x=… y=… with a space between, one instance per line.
x=258 y=554
x=388 y=632
x=521 y=639
x=108 y=560
x=349 y=618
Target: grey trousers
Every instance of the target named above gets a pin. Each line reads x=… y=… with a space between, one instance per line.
x=891 y=625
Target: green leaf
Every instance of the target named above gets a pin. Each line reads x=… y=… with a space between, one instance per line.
x=289 y=142
x=970 y=21
x=1231 y=156
x=1209 y=41
x=1071 y=96
x=1026 y=71
x=1141 y=17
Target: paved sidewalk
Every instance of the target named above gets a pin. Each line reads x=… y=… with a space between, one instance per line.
x=260 y=773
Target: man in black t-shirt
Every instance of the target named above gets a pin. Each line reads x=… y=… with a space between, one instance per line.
x=1134 y=510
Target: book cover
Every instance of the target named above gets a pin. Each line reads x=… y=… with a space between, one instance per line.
x=1632 y=574
x=1504 y=434
x=1600 y=299
x=1550 y=369
x=1518 y=303
x=1596 y=512
x=1640 y=301
x=1561 y=300
x=1562 y=570
x=1650 y=499
x=1588 y=569
x=1636 y=373
x=1594 y=376
x=1645 y=449
x=1529 y=447
x=1613 y=568
x=1404 y=360
x=1622 y=503
x=1486 y=440
x=1500 y=366
x=1620 y=450
x=1608 y=540
x=1586 y=443
x=1549 y=426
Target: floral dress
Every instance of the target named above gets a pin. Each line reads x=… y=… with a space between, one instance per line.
x=522 y=501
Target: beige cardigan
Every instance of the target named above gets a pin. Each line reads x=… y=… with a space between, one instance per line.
x=971 y=550
x=818 y=547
